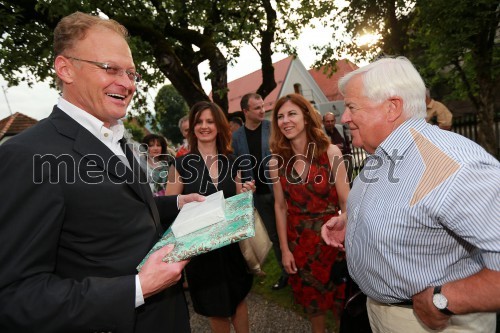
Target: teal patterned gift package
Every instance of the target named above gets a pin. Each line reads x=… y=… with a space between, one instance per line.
x=238 y=225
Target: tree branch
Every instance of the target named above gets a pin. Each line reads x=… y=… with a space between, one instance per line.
x=268 y=79
x=466 y=82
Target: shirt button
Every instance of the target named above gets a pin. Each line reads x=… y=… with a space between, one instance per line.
x=106 y=135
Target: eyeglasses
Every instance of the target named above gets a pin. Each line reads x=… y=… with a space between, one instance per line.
x=115 y=71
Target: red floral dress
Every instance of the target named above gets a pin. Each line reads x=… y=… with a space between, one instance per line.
x=311 y=203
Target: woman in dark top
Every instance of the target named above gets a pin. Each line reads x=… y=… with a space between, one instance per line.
x=155 y=162
x=218 y=280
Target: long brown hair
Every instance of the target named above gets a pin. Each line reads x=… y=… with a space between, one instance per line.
x=223 y=140
x=281 y=146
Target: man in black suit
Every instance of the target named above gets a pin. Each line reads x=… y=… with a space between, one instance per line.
x=76 y=213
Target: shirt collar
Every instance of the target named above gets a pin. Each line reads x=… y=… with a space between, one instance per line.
x=400 y=139
x=95 y=126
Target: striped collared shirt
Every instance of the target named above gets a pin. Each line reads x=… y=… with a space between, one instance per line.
x=424 y=211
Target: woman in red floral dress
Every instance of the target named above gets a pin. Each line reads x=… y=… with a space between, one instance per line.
x=310 y=187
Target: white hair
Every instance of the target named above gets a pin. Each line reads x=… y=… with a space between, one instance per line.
x=183 y=119
x=390 y=77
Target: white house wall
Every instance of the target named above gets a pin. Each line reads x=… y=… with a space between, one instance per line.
x=297 y=73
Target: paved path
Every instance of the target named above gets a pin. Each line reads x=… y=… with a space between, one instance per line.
x=265 y=317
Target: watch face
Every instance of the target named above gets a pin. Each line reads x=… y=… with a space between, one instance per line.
x=440 y=301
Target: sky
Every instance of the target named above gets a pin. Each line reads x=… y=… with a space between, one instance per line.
x=37 y=102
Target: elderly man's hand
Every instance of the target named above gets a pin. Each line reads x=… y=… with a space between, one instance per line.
x=333 y=231
x=426 y=311
x=184 y=199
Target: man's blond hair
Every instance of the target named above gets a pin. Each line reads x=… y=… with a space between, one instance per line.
x=74 y=28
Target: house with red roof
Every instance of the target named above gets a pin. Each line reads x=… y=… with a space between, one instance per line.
x=329 y=83
x=14 y=124
x=292 y=77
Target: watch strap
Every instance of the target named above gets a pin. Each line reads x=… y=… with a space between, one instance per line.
x=437 y=290
x=446 y=311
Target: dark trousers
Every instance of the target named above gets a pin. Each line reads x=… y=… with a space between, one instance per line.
x=265 y=206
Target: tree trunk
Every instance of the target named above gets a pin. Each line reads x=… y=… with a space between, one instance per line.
x=486 y=123
x=483 y=57
x=218 y=66
x=268 y=80
x=180 y=78
x=185 y=79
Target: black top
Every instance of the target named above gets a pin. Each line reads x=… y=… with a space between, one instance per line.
x=218 y=280
x=254 y=140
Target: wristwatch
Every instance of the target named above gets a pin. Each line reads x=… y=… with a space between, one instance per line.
x=440 y=301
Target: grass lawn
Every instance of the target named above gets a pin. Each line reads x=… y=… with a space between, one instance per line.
x=283 y=297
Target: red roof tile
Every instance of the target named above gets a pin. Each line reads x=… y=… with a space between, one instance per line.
x=15 y=124
x=251 y=82
x=329 y=85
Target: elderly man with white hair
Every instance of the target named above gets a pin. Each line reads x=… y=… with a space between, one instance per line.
x=423 y=227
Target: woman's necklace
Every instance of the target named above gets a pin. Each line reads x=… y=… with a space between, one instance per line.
x=212 y=166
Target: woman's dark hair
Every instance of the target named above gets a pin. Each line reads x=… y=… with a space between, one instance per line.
x=150 y=139
x=223 y=130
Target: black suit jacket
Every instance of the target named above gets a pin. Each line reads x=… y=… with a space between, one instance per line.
x=74 y=224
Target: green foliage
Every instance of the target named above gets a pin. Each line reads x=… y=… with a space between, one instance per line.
x=169 y=38
x=387 y=18
x=452 y=44
x=454 y=47
x=170 y=107
x=15 y=64
x=136 y=131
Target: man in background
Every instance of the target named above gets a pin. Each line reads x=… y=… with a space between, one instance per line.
x=251 y=145
x=184 y=128
x=437 y=113
x=77 y=215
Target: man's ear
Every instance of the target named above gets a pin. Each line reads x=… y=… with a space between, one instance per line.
x=394 y=108
x=64 y=69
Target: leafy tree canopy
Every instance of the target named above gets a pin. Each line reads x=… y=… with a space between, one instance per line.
x=135 y=130
x=169 y=38
x=170 y=107
x=452 y=44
